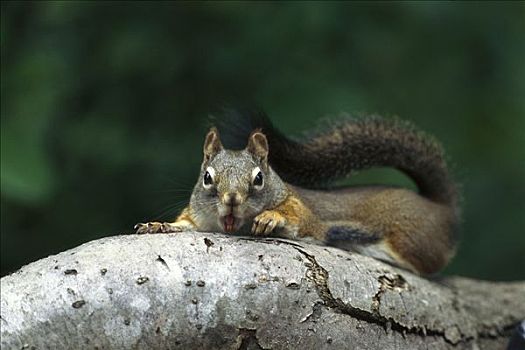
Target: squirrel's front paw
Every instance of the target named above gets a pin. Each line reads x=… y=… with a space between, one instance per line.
x=267 y=221
x=159 y=227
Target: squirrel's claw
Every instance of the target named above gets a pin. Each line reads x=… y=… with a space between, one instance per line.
x=157 y=227
x=266 y=222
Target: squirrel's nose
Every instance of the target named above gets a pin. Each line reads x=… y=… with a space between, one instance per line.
x=231 y=199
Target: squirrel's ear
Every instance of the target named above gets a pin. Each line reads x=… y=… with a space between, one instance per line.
x=258 y=145
x=212 y=144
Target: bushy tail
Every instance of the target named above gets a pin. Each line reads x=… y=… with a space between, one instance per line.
x=347 y=145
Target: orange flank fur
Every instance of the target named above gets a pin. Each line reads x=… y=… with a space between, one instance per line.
x=300 y=220
x=185 y=216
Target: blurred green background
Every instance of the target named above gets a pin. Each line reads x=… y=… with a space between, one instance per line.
x=104 y=105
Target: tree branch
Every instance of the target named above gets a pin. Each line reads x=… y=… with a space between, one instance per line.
x=213 y=291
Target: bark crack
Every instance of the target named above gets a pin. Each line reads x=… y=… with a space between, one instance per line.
x=319 y=276
x=388 y=281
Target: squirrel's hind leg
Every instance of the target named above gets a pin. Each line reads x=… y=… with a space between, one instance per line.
x=353 y=236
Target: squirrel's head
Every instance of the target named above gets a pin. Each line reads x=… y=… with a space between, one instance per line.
x=234 y=185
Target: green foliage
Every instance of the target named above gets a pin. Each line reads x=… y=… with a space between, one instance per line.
x=104 y=105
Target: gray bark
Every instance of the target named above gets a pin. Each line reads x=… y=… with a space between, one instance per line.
x=211 y=291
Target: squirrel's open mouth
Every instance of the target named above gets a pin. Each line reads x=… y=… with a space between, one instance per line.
x=229 y=223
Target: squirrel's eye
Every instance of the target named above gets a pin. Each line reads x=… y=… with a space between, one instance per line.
x=207 y=180
x=258 y=180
